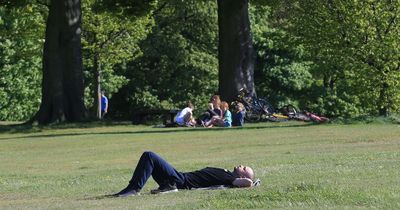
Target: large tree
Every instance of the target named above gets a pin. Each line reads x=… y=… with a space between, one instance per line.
x=62 y=85
x=236 y=54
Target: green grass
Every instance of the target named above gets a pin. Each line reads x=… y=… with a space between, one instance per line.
x=301 y=166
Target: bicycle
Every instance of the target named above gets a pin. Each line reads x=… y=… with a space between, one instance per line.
x=306 y=116
x=257 y=109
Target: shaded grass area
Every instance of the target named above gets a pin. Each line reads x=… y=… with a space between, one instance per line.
x=301 y=166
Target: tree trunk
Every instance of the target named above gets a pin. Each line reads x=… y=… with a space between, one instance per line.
x=236 y=53
x=62 y=85
x=97 y=85
x=383 y=104
x=99 y=93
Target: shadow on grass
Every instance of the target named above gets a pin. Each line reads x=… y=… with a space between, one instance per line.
x=99 y=197
x=17 y=128
x=164 y=130
x=28 y=128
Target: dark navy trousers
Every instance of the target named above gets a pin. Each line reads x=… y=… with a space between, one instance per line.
x=151 y=164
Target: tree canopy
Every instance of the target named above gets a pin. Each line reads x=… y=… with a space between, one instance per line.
x=339 y=58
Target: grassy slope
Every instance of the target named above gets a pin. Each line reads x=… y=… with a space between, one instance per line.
x=300 y=165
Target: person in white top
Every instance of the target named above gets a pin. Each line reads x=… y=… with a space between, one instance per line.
x=185 y=116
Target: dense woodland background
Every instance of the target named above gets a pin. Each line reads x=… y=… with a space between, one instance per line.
x=340 y=58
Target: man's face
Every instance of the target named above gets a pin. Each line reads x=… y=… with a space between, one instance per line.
x=244 y=171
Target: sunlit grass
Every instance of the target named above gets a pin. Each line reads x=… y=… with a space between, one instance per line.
x=300 y=165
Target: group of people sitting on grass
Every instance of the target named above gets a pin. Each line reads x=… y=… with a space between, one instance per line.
x=217 y=114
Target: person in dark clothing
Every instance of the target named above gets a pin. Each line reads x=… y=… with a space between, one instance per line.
x=207 y=115
x=170 y=180
x=214 y=109
x=216 y=101
x=238 y=115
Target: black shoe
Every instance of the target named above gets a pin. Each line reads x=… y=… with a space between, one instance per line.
x=126 y=192
x=168 y=188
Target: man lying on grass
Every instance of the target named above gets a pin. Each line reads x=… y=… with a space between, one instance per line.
x=170 y=180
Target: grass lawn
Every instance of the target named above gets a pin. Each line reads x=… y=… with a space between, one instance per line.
x=301 y=166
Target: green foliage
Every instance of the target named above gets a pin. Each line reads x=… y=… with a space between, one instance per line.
x=356 y=46
x=179 y=61
x=109 y=41
x=294 y=76
x=283 y=74
x=343 y=105
x=338 y=58
x=127 y=7
x=21 y=43
x=20 y=3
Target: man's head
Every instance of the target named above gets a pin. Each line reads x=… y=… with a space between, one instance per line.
x=244 y=172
